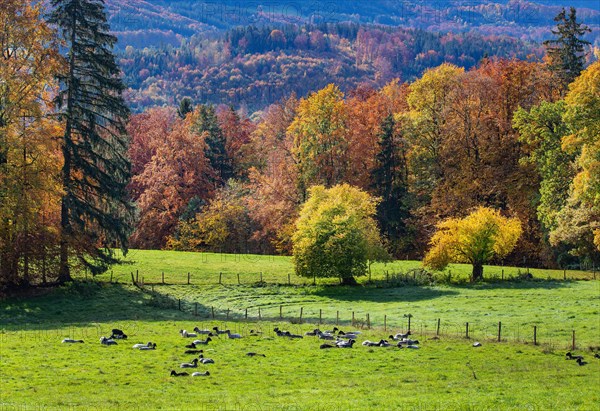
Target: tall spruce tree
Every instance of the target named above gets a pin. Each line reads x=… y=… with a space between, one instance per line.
x=389 y=181
x=95 y=212
x=216 y=152
x=567 y=50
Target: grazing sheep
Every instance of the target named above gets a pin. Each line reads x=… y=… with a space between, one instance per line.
x=345 y=344
x=313 y=333
x=595 y=355
x=348 y=336
x=204 y=332
x=205 y=360
x=581 y=362
x=194 y=351
x=201 y=342
x=191 y=345
x=231 y=335
x=148 y=347
x=325 y=336
x=200 y=374
x=216 y=329
x=186 y=334
x=178 y=374
x=107 y=341
x=400 y=336
x=71 y=341
x=368 y=343
x=253 y=354
x=324 y=346
x=138 y=346
x=118 y=334
x=573 y=357
x=192 y=364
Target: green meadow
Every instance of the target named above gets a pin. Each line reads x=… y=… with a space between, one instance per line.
x=37 y=371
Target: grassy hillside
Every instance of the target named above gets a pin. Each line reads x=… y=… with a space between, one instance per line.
x=36 y=370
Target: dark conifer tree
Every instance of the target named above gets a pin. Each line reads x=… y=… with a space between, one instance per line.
x=389 y=181
x=216 y=152
x=185 y=106
x=566 y=51
x=95 y=212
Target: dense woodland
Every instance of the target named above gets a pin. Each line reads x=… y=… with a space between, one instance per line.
x=257 y=66
x=509 y=133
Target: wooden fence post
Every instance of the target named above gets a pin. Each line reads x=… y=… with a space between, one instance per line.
x=132 y=279
x=163 y=277
x=179 y=304
x=111 y=275
x=239 y=279
x=337 y=318
x=320 y=315
x=535 y=335
x=227 y=314
x=437 y=331
x=499 y=331
x=573 y=343
x=188 y=278
x=220 y=278
x=137 y=273
x=409 y=317
x=301 y=310
x=353 y=318
x=246 y=314
x=289 y=279
x=368 y=321
x=261 y=280
x=259 y=316
x=385 y=322
x=212 y=309
x=565 y=274
x=281 y=312
x=196 y=309
x=467 y=330
x=503 y=273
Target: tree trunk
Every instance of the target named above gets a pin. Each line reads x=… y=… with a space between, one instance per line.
x=477 y=272
x=349 y=281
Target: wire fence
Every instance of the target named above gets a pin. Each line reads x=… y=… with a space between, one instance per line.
x=416 y=276
x=310 y=317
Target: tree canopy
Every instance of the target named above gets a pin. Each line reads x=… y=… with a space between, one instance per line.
x=475 y=239
x=336 y=234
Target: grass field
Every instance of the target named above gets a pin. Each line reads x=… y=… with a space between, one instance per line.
x=38 y=372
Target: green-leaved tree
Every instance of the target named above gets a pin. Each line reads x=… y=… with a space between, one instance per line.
x=336 y=234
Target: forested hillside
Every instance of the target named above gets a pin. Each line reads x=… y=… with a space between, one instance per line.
x=256 y=66
x=158 y=22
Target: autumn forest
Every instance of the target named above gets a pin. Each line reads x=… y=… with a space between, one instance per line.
x=430 y=126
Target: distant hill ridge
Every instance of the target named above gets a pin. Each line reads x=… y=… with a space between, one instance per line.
x=169 y=22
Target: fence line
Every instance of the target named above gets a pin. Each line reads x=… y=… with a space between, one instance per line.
x=411 y=277
x=388 y=324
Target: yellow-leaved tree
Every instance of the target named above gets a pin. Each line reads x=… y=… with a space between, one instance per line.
x=475 y=240
x=336 y=234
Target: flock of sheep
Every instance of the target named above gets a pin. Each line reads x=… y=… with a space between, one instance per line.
x=335 y=338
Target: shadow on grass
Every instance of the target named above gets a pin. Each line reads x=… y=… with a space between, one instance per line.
x=408 y=293
x=88 y=303
x=520 y=284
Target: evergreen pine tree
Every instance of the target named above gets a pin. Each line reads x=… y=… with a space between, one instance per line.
x=216 y=152
x=95 y=211
x=566 y=51
x=389 y=182
x=185 y=106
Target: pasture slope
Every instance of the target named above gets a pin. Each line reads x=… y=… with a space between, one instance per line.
x=447 y=372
